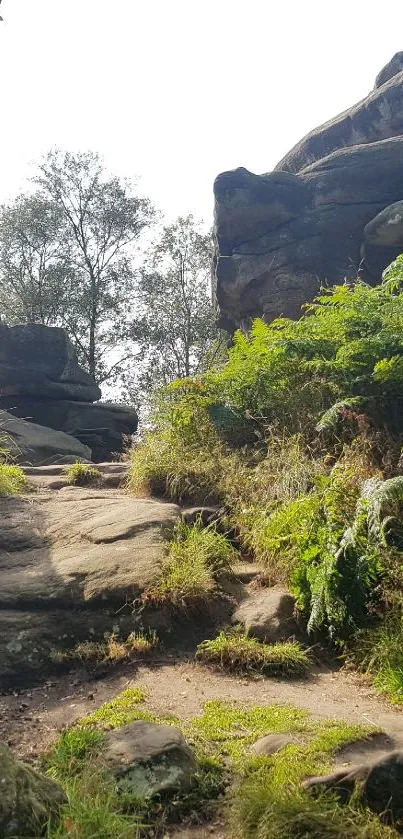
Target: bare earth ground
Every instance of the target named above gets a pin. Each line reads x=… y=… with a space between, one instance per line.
x=31 y=720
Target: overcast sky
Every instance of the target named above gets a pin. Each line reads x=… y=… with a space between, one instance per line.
x=175 y=91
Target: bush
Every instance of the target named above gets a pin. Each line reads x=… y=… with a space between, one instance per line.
x=198 y=559
x=238 y=653
x=12 y=480
x=82 y=474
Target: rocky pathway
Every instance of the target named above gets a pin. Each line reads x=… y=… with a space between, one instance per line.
x=106 y=527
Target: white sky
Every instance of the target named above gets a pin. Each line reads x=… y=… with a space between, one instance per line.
x=175 y=91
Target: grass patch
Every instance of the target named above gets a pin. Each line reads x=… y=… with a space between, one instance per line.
x=198 y=559
x=112 y=651
x=83 y=474
x=379 y=653
x=95 y=811
x=120 y=711
x=72 y=751
x=12 y=480
x=241 y=654
x=263 y=813
x=221 y=737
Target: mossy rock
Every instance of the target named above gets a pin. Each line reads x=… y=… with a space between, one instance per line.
x=27 y=800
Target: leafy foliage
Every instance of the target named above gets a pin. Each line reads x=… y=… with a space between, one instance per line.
x=67 y=257
x=175 y=318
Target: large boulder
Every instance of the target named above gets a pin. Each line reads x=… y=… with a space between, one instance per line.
x=32 y=444
x=149 y=759
x=73 y=567
x=37 y=359
x=27 y=800
x=101 y=426
x=282 y=234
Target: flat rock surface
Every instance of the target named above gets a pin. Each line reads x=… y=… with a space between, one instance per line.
x=80 y=547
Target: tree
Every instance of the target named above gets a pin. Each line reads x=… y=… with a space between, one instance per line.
x=176 y=320
x=67 y=256
x=35 y=274
x=103 y=220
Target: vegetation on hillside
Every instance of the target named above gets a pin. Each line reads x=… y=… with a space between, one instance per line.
x=298 y=437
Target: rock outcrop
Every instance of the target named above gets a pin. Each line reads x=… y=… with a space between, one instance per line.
x=332 y=208
x=73 y=566
x=42 y=382
x=30 y=443
x=268 y=615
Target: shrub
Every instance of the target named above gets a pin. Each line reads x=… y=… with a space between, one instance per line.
x=238 y=653
x=12 y=480
x=83 y=474
x=198 y=559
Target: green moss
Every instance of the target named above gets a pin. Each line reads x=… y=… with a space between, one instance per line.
x=221 y=738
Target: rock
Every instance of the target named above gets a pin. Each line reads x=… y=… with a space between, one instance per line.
x=88 y=548
x=280 y=235
x=102 y=426
x=72 y=568
x=386 y=229
x=378 y=116
x=341 y=783
x=34 y=444
x=383 y=787
x=271 y=744
x=148 y=759
x=394 y=66
x=27 y=799
x=37 y=359
x=204 y=515
x=379 y=785
x=31 y=640
x=268 y=615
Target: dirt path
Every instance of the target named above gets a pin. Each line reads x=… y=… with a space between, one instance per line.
x=32 y=719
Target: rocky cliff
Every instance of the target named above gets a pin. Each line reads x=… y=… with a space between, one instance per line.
x=331 y=209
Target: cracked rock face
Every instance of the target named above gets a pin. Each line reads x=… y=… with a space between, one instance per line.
x=331 y=209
